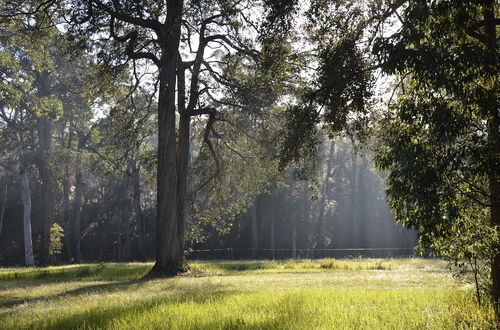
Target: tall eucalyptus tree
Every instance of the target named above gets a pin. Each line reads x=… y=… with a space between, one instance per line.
x=189 y=44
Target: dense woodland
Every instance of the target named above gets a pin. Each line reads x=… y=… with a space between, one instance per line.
x=306 y=216
x=139 y=130
x=339 y=215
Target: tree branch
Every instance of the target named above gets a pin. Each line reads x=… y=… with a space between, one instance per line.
x=218 y=169
x=118 y=13
x=131 y=39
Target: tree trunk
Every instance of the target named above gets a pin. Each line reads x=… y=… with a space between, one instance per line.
x=302 y=217
x=182 y=172
x=255 y=232
x=354 y=201
x=494 y=152
x=77 y=203
x=2 y=208
x=324 y=193
x=44 y=128
x=310 y=230
x=26 y=200
x=141 y=227
x=125 y=220
x=494 y=184
x=47 y=189
x=361 y=203
x=169 y=245
x=273 y=229
x=66 y=204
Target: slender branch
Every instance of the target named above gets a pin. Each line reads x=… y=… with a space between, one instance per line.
x=217 y=135
x=218 y=168
x=43 y=4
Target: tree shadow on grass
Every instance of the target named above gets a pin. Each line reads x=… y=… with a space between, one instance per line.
x=92 y=275
x=282 y=313
x=39 y=276
x=102 y=316
x=82 y=273
x=104 y=287
x=171 y=292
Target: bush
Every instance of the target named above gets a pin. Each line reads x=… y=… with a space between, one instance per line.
x=55 y=243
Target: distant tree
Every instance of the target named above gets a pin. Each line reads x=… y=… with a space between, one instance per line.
x=124 y=145
x=49 y=103
x=3 y=204
x=324 y=195
x=18 y=113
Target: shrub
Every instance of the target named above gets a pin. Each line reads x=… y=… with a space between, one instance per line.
x=55 y=243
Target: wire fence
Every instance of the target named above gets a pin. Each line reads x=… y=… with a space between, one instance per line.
x=260 y=254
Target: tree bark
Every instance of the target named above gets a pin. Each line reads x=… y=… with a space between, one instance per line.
x=494 y=152
x=182 y=172
x=77 y=203
x=66 y=203
x=26 y=200
x=361 y=203
x=273 y=229
x=354 y=201
x=44 y=128
x=125 y=245
x=326 y=189
x=141 y=228
x=169 y=245
x=2 y=208
x=255 y=232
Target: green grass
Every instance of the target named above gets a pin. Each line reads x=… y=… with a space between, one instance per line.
x=328 y=293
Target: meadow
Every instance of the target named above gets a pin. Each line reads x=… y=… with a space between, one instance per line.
x=300 y=294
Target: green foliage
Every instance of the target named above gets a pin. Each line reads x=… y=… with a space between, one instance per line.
x=436 y=141
x=431 y=153
x=242 y=165
x=50 y=107
x=345 y=84
x=247 y=169
x=336 y=85
x=300 y=139
x=55 y=239
x=13 y=82
x=468 y=245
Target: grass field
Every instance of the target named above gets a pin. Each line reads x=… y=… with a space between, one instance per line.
x=329 y=294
